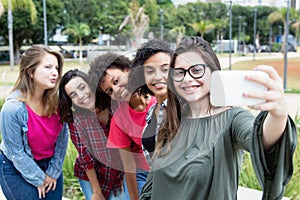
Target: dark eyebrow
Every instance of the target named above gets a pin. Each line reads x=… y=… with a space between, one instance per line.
x=165 y=64
x=80 y=85
x=103 y=76
x=148 y=66
x=71 y=93
x=112 y=79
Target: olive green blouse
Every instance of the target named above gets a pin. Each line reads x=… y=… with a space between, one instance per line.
x=206 y=157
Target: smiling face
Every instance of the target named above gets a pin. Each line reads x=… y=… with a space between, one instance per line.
x=80 y=93
x=114 y=84
x=192 y=90
x=156 y=70
x=46 y=73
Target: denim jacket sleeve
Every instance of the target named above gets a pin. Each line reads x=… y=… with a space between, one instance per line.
x=56 y=163
x=13 y=120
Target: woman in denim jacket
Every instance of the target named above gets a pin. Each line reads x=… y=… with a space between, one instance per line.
x=34 y=141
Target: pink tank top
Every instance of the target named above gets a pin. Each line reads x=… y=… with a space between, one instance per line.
x=42 y=134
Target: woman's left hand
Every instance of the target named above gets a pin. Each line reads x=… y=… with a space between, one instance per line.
x=50 y=183
x=274 y=97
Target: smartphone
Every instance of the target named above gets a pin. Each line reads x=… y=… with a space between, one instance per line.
x=227 y=88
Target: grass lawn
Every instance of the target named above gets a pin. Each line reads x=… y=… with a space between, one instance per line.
x=293 y=69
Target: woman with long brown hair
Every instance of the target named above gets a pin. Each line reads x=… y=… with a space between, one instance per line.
x=200 y=147
x=34 y=141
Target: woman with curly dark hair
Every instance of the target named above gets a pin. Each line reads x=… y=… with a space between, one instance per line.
x=110 y=72
x=151 y=66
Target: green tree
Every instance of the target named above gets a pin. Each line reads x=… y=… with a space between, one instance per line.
x=220 y=26
x=296 y=26
x=202 y=27
x=1 y=8
x=24 y=16
x=78 y=31
x=103 y=16
x=55 y=13
x=91 y=12
x=178 y=32
x=280 y=15
x=152 y=10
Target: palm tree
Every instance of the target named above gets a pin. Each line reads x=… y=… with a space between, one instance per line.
x=202 y=27
x=138 y=20
x=280 y=15
x=78 y=31
x=24 y=4
x=19 y=37
x=178 y=32
x=220 y=26
x=296 y=25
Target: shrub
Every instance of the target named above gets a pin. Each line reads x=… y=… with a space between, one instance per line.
x=1 y=103
x=72 y=188
x=276 y=47
x=292 y=190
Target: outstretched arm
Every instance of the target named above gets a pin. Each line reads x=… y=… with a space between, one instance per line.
x=276 y=104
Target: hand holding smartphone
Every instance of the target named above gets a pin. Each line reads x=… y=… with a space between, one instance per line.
x=227 y=88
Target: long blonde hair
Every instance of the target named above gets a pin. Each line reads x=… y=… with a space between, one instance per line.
x=30 y=59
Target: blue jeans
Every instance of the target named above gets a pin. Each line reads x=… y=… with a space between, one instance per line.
x=14 y=186
x=141 y=177
x=87 y=191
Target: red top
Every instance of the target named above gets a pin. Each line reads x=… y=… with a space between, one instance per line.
x=42 y=134
x=126 y=130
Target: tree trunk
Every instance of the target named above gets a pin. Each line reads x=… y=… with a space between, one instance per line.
x=80 y=51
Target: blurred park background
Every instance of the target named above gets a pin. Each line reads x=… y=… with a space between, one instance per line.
x=243 y=33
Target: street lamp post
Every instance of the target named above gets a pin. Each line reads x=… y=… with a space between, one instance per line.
x=286 y=44
x=230 y=32
x=10 y=35
x=239 y=36
x=254 y=33
x=244 y=35
x=161 y=11
x=45 y=23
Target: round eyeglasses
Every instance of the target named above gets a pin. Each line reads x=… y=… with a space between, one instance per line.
x=195 y=71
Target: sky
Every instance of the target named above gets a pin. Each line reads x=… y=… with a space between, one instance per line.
x=177 y=2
